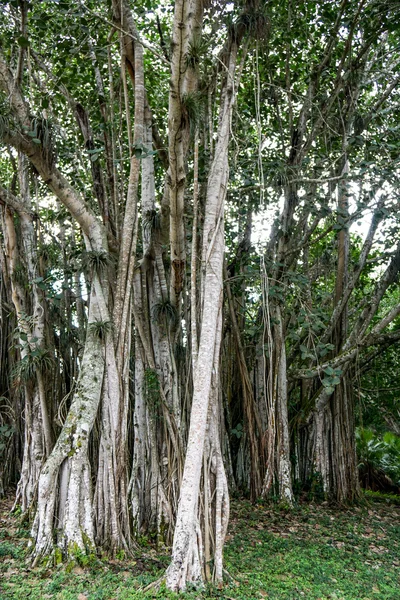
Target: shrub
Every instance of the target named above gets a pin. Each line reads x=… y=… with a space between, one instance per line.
x=378 y=460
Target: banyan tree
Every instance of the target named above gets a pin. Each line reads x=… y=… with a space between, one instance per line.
x=186 y=296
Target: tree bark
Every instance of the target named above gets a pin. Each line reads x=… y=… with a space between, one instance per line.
x=188 y=550
x=64 y=494
x=38 y=434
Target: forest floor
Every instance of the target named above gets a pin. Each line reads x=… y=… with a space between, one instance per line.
x=313 y=552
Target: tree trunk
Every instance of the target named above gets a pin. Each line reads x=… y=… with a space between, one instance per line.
x=152 y=509
x=335 y=430
x=156 y=469
x=187 y=563
x=37 y=434
x=282 y=421
x=64 y=494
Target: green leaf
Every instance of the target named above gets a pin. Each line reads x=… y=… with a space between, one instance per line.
x=329 y=371
x=23 y=41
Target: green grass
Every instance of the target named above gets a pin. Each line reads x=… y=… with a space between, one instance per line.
x=382 y=497
x=311 y=552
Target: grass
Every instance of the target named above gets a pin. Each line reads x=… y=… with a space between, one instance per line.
x=310 y=552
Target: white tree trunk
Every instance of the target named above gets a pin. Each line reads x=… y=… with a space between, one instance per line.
x=70 y=509
x=156 y=462
x=215 y=517
x=188 y=550
x=151 y=508
x=33 y=455
x=283 y=442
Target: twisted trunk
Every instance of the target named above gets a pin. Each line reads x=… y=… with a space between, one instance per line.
x=64 y=492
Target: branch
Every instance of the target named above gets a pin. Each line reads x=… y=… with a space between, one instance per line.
x=49 y=173
x=7 y=198
x=135 y=37
x=389 y=277
x=376 y=219
x=345 y=357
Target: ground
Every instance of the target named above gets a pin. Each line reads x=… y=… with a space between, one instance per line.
x=313 y=552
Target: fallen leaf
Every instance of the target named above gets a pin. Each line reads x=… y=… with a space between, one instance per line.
x=375 y=549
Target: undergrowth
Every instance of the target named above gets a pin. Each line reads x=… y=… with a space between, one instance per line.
x=310 y=552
